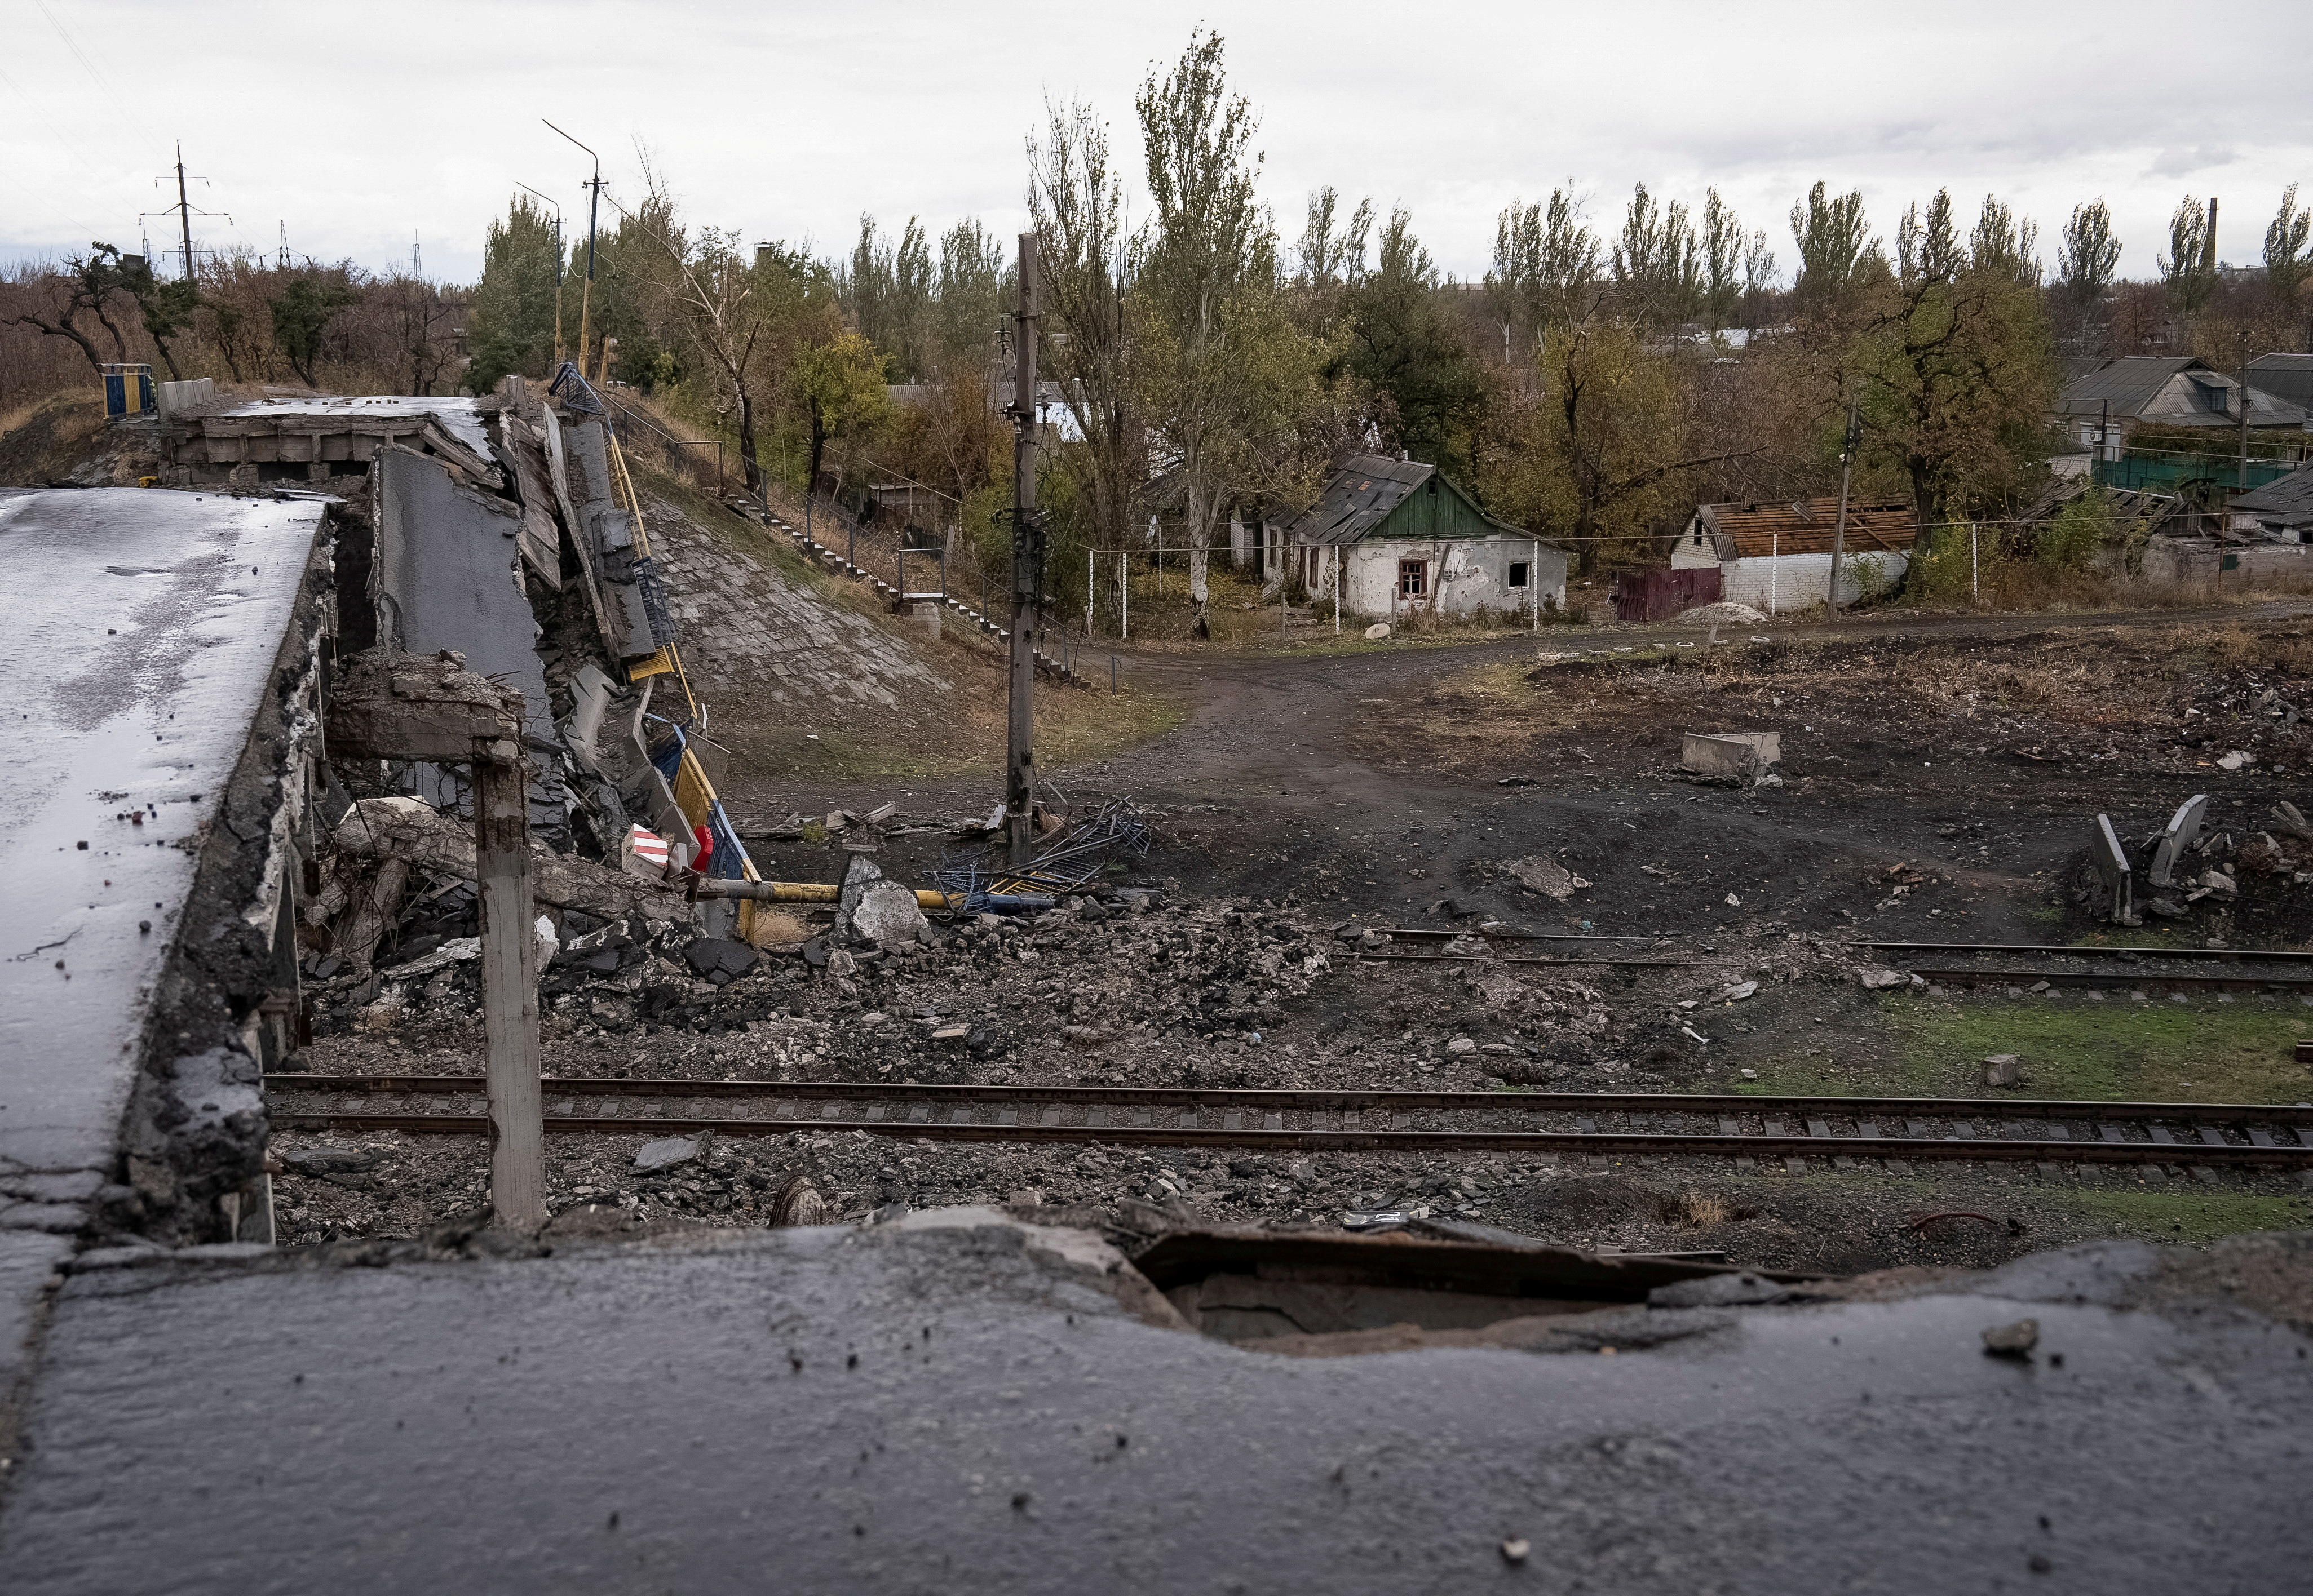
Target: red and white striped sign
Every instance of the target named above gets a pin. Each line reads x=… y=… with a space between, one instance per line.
x=646 y=851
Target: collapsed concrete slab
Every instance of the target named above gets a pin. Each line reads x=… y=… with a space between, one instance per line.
x=160 y=786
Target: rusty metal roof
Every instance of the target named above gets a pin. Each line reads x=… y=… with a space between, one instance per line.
x=1807 y=526
x=1359 y=497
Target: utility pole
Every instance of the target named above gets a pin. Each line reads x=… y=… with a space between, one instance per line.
x=184 y=207
x=557 y=277
x=1839 y=530
x=2244 y=415
x=184 y=211
x=1027 y=570
x=594 y=186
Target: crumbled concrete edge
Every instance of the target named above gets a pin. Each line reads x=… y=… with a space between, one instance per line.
x=195 y=1129
x=1081 y=1254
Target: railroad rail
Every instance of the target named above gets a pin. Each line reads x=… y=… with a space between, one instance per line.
x=2175 y=980
x=2107 y=952
x=1895 y=1129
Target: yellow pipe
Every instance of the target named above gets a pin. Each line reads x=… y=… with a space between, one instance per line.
x=821 y=892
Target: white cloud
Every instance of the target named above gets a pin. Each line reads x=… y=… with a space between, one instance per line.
x=355 y=129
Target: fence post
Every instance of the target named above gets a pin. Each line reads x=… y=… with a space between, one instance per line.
x=1974 y=575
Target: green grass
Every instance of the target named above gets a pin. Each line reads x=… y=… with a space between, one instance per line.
x=2118 y=1050
x=2154 y=1051
x=2186 y=1215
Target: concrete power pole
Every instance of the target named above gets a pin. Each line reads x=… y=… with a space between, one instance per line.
x=184 y=211
x=1027 y=570
x=1839 y=530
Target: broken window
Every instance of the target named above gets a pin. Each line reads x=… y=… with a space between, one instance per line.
x=1413 y=578
x=1517 y=573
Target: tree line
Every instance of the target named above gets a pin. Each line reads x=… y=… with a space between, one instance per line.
x=1600 y=376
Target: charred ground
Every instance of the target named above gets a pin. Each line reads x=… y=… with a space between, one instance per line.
x=1936 y=785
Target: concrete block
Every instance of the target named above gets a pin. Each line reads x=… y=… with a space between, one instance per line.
x=1730 y=753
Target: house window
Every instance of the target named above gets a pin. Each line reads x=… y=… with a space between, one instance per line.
x=1413 y=578
x=1517 y=574
x=1698 y=534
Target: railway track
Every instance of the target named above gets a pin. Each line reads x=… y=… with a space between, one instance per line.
x=1846 y=1130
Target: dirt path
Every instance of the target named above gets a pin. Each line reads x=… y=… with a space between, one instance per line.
x=1361 y=781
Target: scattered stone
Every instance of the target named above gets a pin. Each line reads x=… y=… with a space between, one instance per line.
x=2001 y=1069
x=330 y=1161
x=2162 y=908
x=1515 y=1549
x=1538 y=872
x=886 y=914
x=2012 y=1340
x=1461 y=1045
x=1878 y=980
x=718 y=960
x=2236 y=760
x=1733 y=902
x=1378 y=631
x=1739 y=991
x=666 y=1153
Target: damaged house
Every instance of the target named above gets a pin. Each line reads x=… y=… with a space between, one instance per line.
x=1394 y=536
x=1776 y=558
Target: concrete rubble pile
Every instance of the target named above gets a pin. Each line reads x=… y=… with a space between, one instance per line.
x=2191 y=868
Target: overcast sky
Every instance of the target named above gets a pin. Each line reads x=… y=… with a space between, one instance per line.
x=361 y=128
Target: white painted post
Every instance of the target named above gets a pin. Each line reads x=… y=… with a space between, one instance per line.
x=1123 y=594
x=1534 y=587
x=1089 y=580
x=1974 y=575
x=1774 y=570
x=1337 y=589
x=509 y=986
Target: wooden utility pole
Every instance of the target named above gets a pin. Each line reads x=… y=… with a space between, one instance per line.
x=1839 y=530
x=1027 y=570
x=509 y=985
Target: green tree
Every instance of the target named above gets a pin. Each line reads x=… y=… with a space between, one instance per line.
x=2087 y=255
x=302 y=313
x=1722 y=261
x=1400 y=344
x=2189 y=270
x=1655 y=261
x=838 y=386
x=512 y=314
x=1076 y=200
x=1546 y=262
x=1955 y=365
x=1835 y=252
x=1218 y=361
x=2285 y=261
x=1602 y=456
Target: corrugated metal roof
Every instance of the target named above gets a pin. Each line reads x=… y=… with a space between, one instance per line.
x=1807 y=526
x=2131 y=382
x=2134 y=384
x=1358 y=498
x=2287 y=501
x=2284 y=376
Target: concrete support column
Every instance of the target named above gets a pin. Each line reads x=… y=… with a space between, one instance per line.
x=509 y=986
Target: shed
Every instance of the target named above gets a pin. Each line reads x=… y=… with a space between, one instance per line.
x=1778 y=557
x=1398 y=534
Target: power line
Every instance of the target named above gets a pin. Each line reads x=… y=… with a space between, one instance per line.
x=118 y=101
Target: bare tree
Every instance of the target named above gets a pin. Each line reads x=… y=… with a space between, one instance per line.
x=1076 y=200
